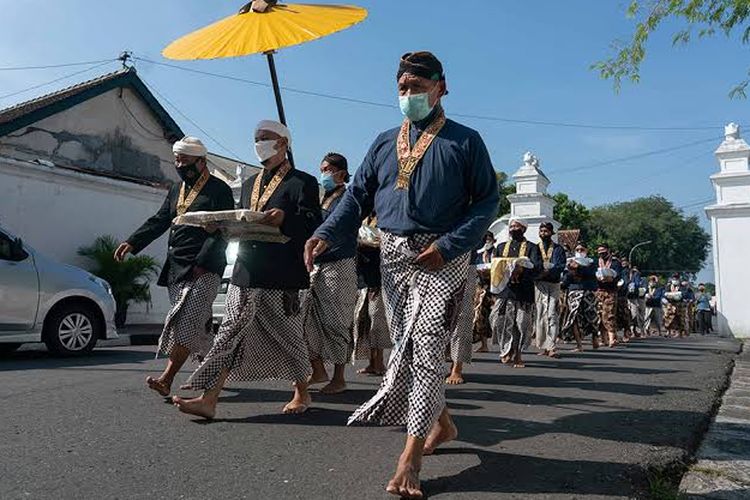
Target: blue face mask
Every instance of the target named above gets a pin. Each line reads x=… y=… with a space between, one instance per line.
x=415 y=107
x=326 y=180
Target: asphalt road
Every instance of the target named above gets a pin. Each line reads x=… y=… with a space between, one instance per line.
x=584 y=426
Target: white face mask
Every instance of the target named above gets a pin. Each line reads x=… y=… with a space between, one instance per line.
x=580 y=255
x=488 y=246
x=265 y=150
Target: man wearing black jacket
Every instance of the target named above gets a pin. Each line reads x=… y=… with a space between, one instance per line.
x=261 y=336
x=512 y=316
x=195 y=259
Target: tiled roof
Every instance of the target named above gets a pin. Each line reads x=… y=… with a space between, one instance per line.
x=26 y=113
x=24 y=108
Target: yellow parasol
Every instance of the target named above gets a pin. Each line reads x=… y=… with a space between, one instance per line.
x=264 y=26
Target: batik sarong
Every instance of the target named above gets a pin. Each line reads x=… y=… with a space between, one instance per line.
x=547 y=315
x=623 y=314
x=260 y=338
x=581 y=313
x=512 y=323
x=636 y=308
x=329 y=310
x=188 y=322
x=654 y=319
x=370 y=326
x=483 y=302
x=462 y=335
x=673 y=317
x=422 y=309
x=606 y=306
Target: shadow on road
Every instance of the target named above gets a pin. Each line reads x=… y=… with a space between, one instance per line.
x=38 y=359
x=519 y=474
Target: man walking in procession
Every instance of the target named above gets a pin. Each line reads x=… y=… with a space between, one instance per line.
x=261 y=336
x=432 y=185
x=195 y=259
x=547 y=284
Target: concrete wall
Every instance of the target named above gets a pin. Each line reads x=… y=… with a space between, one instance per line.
x=731 y=241
x=57 y=210
x=115 y=133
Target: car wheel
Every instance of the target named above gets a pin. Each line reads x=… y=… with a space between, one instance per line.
x=8 y=348
x=71 y=330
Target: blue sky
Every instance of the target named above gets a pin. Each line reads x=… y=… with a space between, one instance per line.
x=518 y=60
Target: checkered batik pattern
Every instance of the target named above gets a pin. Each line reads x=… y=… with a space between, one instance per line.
x=260 y=338
x=370 y=326
x=581 y=312
x=329 y=310
x=188 y=322
x=462 y=335
x=422 y=308
x=547 y=312
x=673 y=317
x=512 y=322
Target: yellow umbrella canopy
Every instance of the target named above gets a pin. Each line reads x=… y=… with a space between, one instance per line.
x=264 y=26
x=251 y=32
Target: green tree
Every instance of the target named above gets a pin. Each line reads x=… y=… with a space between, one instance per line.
x=571 y=214
x=698 y=18
x=678 y=242
x=130 y=279
x=504 y=188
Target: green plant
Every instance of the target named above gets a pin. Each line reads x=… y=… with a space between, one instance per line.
x=130 y=280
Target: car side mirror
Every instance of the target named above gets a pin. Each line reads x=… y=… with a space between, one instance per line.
x=17 y=251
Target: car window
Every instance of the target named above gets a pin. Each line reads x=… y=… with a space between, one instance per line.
x=6 y=249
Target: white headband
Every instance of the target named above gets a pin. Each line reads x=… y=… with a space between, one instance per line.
x=520 y=221
x=190 y=146
x=276 y=127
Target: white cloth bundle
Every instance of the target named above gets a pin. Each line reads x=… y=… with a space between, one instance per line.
x=191 y=146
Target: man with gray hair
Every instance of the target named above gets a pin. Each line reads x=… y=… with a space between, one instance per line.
x=195 y=259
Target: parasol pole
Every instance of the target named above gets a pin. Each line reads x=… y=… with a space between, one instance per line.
x=277 y=95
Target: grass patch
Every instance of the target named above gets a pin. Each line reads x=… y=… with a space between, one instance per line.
x=663 y=485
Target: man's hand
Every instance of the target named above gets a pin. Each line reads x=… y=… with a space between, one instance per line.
x=198 y=272
x=431 y=258
x=122 y=251
x=314 y=247
x=273 y=217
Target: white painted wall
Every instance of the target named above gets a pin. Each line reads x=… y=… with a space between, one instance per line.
x=57 y=210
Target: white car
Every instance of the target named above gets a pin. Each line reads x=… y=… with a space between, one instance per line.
x=221 y=297
x=42 y=300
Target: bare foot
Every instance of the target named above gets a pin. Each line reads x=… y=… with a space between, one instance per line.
x=519 y=364
x=482 y=349
x=454 y=379
x=405 y=482
x=298 y=404
x=197 y=406
x=505 y=359
x=439 y=434
x=159 y=386
x=553 y=354
x=542 y=353
x=334 y=388
x=578 y=349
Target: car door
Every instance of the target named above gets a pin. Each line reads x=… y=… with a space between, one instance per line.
x=19 y=288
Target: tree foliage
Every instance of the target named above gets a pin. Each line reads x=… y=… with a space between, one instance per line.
x=678 y=242
x=504 y=188
x=571 y=214
x=130 y=279
x=700 y=18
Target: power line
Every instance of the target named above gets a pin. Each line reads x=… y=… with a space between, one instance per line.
x=50 y=66
x=55 y=80
x=637 y=156
x=393 y=106
x=222 y=146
